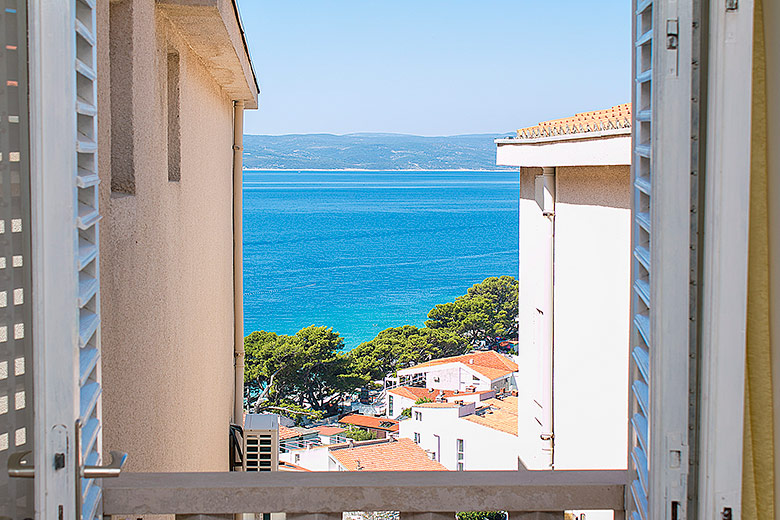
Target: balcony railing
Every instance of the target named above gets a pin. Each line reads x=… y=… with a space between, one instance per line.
x=324 y=496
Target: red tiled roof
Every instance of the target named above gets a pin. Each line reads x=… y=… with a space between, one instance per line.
x=499 y=414
x=489 y=363
x=328 y=430
x=393 y=455
x=289 y=466
x=366 y=421
x=613 y=118
x=287 y=433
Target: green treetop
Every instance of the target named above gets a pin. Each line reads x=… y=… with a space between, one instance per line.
x=486 y=312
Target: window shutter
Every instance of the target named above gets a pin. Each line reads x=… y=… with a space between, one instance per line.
x=663 y=303
x=88 y=261
x=641 y=244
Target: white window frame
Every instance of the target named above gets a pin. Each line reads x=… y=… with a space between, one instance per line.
x=726 y=227
x=54 y=238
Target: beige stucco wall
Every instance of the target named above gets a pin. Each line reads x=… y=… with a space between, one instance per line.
x=166 y=263
x=591 y=318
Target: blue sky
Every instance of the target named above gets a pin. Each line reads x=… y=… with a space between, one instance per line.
x=433 y=67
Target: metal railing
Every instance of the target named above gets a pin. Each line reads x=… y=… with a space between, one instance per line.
x=326 y=495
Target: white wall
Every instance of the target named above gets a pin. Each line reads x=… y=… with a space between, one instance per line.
x=592 y=291
x=591 y=319
x=314 y=459
x=484 y=448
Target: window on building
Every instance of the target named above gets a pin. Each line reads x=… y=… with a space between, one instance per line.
x=297 y=458
x=418 y=416
x=474 y=378
x=390 y=406
x=460 y=452
x=417 y=437
x=174 y=125
x=121 y=92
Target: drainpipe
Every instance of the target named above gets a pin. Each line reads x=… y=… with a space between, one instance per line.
x=238 y=267
x=545 y=194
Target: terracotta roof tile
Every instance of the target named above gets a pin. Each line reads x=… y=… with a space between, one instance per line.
x=489 y=363
x=499 y=414
x=366 y=421
x=393 y=455
x=616 y=117
x=329 y=430
x=437 y=405
x=287 y=433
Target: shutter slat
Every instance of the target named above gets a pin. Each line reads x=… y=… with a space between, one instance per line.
x=88 y=396
x=88 y=216
x=88 y=324
x=87 y=252
x=91 y=503
x=88 y=287
x=642 y=359
x=640 y=499
x=643 y=219
x=89 y=435
x=641 y=394
x=639 y=422
x=642 y=323
x=88 y=358
x=643 y=185
x=642 y=288
x=643 y=255
x=640 y=461
x=642 y=6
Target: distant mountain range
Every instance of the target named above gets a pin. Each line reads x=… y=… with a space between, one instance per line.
x=371 y=152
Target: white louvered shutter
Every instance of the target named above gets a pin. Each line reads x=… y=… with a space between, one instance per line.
x=640 y=336
x=662 y=255
x=88 y=262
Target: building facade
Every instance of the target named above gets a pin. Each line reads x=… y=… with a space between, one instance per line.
x=575 y=271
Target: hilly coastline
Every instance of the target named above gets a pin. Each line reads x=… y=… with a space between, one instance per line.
x=368 y=151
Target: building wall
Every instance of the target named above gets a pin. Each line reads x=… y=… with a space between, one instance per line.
x=484 y=448
x=313 y=459
x=166 y=258
x=590 y=319
x=591 y=298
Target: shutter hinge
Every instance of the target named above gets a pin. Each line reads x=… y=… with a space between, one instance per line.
x=672 y=33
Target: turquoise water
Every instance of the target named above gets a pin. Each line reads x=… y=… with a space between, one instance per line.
x=364 y=251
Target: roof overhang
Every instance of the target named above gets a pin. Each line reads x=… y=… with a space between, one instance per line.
x=604 y=148
x=212 y=28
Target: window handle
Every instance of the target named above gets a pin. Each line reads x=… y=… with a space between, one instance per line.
x=111 y=470
x=18 y=467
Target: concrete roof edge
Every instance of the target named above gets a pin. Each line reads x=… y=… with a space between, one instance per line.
x=213 y=30
x=619 y=132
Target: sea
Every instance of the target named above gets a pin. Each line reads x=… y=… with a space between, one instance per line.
x=362 y=251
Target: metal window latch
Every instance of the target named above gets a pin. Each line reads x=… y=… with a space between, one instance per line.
x=19 y=467
x=672 y=33
x=732 y=5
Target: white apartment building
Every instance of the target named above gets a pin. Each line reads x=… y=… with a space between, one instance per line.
x=473 y=372
x=575 y=272
x=404 y=397
x=468 y=436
